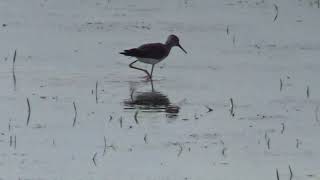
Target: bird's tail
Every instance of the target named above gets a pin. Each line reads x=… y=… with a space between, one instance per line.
x=131 y=52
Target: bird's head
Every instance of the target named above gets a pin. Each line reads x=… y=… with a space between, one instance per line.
x=173 y=40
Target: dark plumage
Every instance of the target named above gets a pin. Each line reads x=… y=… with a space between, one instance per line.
x=152 y=53
x=152 y=50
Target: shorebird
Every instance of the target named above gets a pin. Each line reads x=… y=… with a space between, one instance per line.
x=152 y=53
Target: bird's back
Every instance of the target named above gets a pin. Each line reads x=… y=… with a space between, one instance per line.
x=152 y=50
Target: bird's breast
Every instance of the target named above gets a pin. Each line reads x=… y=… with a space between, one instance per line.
x=150 y=60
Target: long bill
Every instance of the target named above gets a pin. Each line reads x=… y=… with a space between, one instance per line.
x=182 y=48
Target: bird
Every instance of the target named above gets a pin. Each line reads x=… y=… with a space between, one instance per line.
x=152 y=53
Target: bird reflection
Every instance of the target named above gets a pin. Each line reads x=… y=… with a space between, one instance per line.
x=151 y=101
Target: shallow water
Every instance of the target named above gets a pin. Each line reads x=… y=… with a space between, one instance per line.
x=180 y=127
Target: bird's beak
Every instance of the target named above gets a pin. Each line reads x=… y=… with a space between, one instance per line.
x=182 y=48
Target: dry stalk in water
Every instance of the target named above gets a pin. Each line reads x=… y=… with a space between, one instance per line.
x=94 y=159
x=291 y=173
x=105 y=145
x=13 y=70
x=278 y=178
x=29 y=111
x=75 y=114
x=97 y=92
x=277 y=12
x=136 y=117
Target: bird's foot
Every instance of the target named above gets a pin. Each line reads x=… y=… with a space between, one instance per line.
x=148 y=78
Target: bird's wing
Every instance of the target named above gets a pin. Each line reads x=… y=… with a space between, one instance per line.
x=154 y=50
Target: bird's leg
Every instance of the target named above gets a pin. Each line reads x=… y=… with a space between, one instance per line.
x=151 y=81
x=152 y=70
x=131 y=66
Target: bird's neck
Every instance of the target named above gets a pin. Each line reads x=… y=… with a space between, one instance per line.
x=169 y=45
